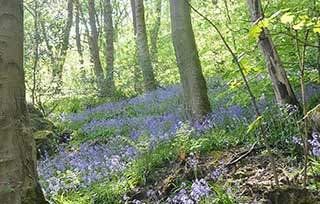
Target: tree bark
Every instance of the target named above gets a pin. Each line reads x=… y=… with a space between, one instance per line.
x=143 y=49
x=281 y=85
x=136 y=71
x=94 y=50
x=35 y=52
x=78 y=34
x=154 y=34
x=318 y=56
x=134 y=18
x=18 y=175
x=57 y=70
x=109 y=50
x=193 y=83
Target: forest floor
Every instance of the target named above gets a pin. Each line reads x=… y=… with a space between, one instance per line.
x=245 y=170
x=142 y=150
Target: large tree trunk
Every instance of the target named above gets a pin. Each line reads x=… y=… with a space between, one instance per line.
x=282 y=88
x=18 y=175
x=94 y=49
x=143 y=49
x=109 y=50
x=154 y=34
x=57 y=71
x=194 y=85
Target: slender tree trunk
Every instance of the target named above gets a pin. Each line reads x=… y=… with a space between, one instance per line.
x=318 y=56
x=48 y=45
x=154 y=34
x=282 y=88
x=18 y=174
x=143 y=49
x=94 y=49
x=137 y=72
x=317 y=14
x=35 y=52
x=109 y=50
x=194 y=85
x=57 y=70
x=229 y=22
x=134 y=18
x=78 y=37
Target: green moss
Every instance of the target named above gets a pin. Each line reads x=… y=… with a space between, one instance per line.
x=42 y=134
x=34 y=195
x=46 y=142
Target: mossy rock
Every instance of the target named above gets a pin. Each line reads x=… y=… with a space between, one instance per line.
x=43 y=132
x=41 y=124
x=291 y=195
x=45 y=141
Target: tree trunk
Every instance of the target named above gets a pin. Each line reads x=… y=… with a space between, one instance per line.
x=94 y=50
x=78 y=36
x=281 y=86
x=143 y=49
x=35 y=52
x=136 y=71
x=18 y=175
x=134 y=18
x=318 y=56
x=109 y=50
x=194 y=85
x=57 y=71
x=154 y=34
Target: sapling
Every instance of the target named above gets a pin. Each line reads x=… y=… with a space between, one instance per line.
x=301 y=57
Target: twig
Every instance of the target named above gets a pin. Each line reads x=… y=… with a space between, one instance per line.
x=242 y=156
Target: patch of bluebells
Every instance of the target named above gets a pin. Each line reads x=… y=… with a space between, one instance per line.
x=215 y=175
x=192 y=161
x=87 y=164
x=157 y=115
x=200 y=190
x=139 y=105
x=221 y=115
x=311 y=91
x=218 y=172
x=97 y=162
x=156 y=125
x=315 y=144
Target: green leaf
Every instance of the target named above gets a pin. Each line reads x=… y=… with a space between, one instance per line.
x=316 y=28
x=235 y=83
x=299 y=26
x=254 y=124
x=287 y=18
x=264 y=23
x=255 y=31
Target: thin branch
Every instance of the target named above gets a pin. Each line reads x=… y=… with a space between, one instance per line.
x=301 y=57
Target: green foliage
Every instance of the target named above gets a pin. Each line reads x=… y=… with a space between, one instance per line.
x=315 y=172
x=282 y=125
x=222 y=196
